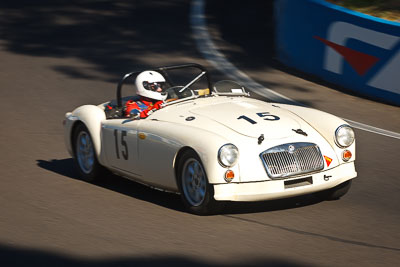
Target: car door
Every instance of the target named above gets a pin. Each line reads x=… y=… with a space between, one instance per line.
x=157 y=150
x=119 y=137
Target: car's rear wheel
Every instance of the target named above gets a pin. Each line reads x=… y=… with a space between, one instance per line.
x=336 y=192
x=196 y=192
x=84 y=154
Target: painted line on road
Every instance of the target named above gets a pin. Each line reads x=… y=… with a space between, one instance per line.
x=372 y=129
x=211 y=53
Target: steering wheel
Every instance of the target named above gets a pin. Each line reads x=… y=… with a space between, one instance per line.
x=173 y=93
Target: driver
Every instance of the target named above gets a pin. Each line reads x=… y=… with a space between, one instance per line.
x=150 y=87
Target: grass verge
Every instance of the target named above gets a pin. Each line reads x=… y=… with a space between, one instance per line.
x=385 y=9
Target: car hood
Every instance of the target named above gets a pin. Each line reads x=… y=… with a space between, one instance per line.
x=251 y=118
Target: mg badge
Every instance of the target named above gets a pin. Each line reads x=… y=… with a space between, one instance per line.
x=291 y=149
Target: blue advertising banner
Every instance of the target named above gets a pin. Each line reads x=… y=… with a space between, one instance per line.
x=357 y=51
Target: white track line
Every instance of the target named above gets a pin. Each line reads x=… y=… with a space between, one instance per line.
x=210 y=52
x=372 y=129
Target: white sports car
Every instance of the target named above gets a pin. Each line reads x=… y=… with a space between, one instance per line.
x=214 y=145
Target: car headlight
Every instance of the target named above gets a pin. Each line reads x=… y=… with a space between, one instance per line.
x=344 y=136
x=228 y=155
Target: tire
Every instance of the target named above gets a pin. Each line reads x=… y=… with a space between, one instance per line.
x=196 y=192
x=85 y=158
x=336 y=192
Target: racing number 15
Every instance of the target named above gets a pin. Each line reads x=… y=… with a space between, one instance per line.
x=266 y=115
x=124 y=144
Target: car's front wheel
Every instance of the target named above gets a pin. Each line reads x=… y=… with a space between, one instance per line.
x=196 y=192
x=84 y=154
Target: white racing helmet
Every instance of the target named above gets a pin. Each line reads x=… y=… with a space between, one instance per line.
x=151 y=84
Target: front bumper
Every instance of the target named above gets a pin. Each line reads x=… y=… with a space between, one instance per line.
x=275 y=189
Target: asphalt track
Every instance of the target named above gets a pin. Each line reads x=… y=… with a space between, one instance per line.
x=57 y=55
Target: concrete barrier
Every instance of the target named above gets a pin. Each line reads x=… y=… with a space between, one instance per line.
x=357 y=51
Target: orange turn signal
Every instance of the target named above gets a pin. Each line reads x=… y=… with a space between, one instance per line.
x=346 y=155
x=229 y=175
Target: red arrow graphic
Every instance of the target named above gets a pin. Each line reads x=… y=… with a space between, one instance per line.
x=359 y=61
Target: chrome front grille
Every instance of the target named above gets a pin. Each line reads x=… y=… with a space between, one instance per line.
x=292 y=159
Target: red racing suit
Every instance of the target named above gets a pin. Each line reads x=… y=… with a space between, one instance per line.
x=142 y=107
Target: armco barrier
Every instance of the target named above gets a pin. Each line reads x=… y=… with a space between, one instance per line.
x=357 y=51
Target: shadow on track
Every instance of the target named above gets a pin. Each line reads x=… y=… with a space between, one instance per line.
x=14 y=257
x=65 y=167
x=112 y=36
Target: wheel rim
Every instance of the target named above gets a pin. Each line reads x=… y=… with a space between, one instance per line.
x=194 y=182
x=84 y=152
